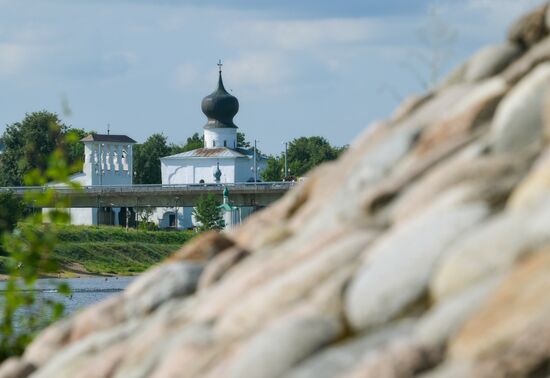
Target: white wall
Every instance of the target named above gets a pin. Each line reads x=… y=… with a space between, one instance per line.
x=244 y=169
x=192 y=170
x=184 y=216
x=83 y=216
x=221 y=137
x=107 y=163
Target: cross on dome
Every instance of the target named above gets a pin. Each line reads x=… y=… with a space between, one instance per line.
x=220 y=64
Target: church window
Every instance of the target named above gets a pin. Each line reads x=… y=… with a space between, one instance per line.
x=225 y=143
x=201 y=181
x=213 y=143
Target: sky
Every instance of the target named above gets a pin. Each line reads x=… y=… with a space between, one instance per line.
x=298 y=67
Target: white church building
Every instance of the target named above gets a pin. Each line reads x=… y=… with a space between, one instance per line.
x=219 y=161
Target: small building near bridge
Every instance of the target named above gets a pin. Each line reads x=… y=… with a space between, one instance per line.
x=108 y=160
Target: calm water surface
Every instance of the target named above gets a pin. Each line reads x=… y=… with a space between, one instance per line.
x=85 y=291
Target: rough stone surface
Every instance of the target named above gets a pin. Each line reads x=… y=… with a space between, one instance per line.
x=491 y=249
x=539 y=53
x=407 y=256
x=530 y=28
x=422 y=251
x=220 y=265
x=490 y=61
x=160 y=284
x=534 y=186
x=16 y=368
x=521 y=303
x=518 y=119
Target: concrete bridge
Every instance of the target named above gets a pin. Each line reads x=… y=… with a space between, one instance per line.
x=258 y=194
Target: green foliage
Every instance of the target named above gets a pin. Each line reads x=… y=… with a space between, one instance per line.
x=11 y=211
x=29 y=143
x=147 y=159
x=207 y=212
x=30 y=254
x=143 y=216
x=304 y=154
x=193 y=142
x=274 y=170
x=241 y=140
x=307 y=152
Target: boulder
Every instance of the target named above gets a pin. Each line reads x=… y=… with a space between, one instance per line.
x=341 y=358
x=219 y=265
x=534 y=186
x=16 y=368
x=490 y=249
x=284 y=343
x=160 y=284
x=286 y=289
x=518 y=120
x=530 y=28
x=447 y=316
x=522 y=301
x=403 y=358
x=407 y=254
x=470 y=112
x=490 y=61
x=203 y=247
x=470 y=172
x=539 y=53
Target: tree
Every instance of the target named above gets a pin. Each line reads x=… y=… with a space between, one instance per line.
x=307 y=152
x=29 y=143
x=208 y=213
x=11 y=212
x=437 y=38
x=193 y=142
x=241 y=140
x=147 y=159
x=274 y=169
x=75 y=148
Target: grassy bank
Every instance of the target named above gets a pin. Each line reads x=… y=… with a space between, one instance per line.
x=112 y=250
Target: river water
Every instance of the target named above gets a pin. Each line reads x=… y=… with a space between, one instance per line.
x=85 y=291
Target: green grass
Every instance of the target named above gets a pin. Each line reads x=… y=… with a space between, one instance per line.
x=114 y=250
x=82 y=234
x=113 y=257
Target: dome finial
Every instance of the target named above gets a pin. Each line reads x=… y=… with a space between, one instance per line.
x=220 y=64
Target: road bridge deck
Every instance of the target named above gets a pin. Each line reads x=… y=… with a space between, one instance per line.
x=240 y=194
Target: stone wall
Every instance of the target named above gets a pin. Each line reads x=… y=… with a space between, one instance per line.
x=423 y=251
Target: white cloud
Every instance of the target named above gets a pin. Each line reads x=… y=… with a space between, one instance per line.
x=187 y=75
x=300 y=34
x=253 y=69
x=264 y=71
x=14 y=58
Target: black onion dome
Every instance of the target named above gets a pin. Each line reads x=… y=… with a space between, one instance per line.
x=220 y=107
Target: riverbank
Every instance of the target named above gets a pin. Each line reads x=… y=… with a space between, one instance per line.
x=87 y=251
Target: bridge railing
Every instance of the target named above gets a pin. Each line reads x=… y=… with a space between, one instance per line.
x=140 y=188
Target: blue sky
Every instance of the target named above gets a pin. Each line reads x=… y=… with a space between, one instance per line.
x=299 y=68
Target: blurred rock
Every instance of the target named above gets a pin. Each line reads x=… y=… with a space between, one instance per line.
x=530 y=28
x=518 y=119
x=490 y=61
